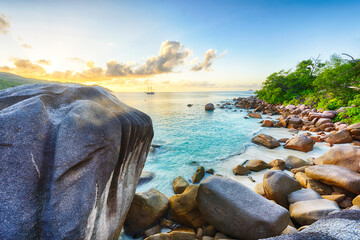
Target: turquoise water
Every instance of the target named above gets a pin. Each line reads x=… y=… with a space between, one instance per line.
x=190 y=136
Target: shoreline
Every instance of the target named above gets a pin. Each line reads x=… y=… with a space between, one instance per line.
x=185 y=222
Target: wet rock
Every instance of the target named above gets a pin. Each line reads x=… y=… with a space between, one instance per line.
x=335 y=175
x=153 y=230
x=254 y=115
x=209 y=107
x=308 y=182
x=61 y=161
x=294 y=162
x=257 y=165
x=145 y=177
x=267 y=123
x=179 y=185
x=199 y=174
x=146 y=209
x=184 y=210
x=266 y=141
x=342 y=136
x=300 y=143
x=210 y=171
x=344 y=156
x=278 y=185
x=240 y=170
x=221 y=200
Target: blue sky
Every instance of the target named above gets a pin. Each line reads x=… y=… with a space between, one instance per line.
x=245 y=41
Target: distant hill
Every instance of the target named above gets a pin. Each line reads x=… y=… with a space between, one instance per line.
x=8 y=80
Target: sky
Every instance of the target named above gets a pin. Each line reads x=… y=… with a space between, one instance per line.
x=183 y=45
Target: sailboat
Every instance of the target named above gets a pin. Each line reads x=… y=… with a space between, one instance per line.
x=149 y=91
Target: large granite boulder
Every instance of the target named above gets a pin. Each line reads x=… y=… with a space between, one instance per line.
x=278 y=185
x=301 y=143
x=70 y=160
x=292 y=162
x=337 y=226
x=344 y=156
x=342 y=136
x=184 y=210
x=335 y=175
x=266 y=141
x=317 y=186
x=146 y=209
x=237 y=211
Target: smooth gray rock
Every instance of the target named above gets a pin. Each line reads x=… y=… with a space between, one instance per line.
x=71 y=156
x=343 y=225
x=278 y=185
x=145 y=177
x=303 y=195
x=308 y=212
x=237 y=211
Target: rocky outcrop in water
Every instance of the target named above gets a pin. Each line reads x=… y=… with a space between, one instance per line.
x=70 y=160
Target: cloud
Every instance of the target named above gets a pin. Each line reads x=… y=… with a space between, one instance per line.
x=209 y=56
x=171 y=55
x=24 y=66
x=4 y=24
x=44 y=62
x=77 y=60
x=115 y=69
x=24 y=45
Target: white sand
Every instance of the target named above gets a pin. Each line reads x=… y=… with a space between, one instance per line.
x=259 y=152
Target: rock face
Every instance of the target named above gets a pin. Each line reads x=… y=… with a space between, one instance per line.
x=278 y=185
x=257 y=165
x=237 y=211
x=209 y=107
x=184 y=210
x=344 y=156
x=292 y=162
x=342 y=136
x=308 y=212
x=335 y=175
x=146 y=209
x=266 y=141
x=70 y=160
x=179 y=185
x=337 y=226
x=300 y=143
x=199 y=174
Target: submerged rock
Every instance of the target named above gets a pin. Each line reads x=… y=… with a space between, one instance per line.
x=209 y=107
x=266 y=141
x=145 y=177
x=71 y=157
x=237 y=211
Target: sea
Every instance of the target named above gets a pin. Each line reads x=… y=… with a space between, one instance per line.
x=189 y=137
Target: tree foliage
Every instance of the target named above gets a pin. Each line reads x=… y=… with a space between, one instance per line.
x=329 y=85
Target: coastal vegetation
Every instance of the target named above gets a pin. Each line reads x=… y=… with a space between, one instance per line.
x=327 y=85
